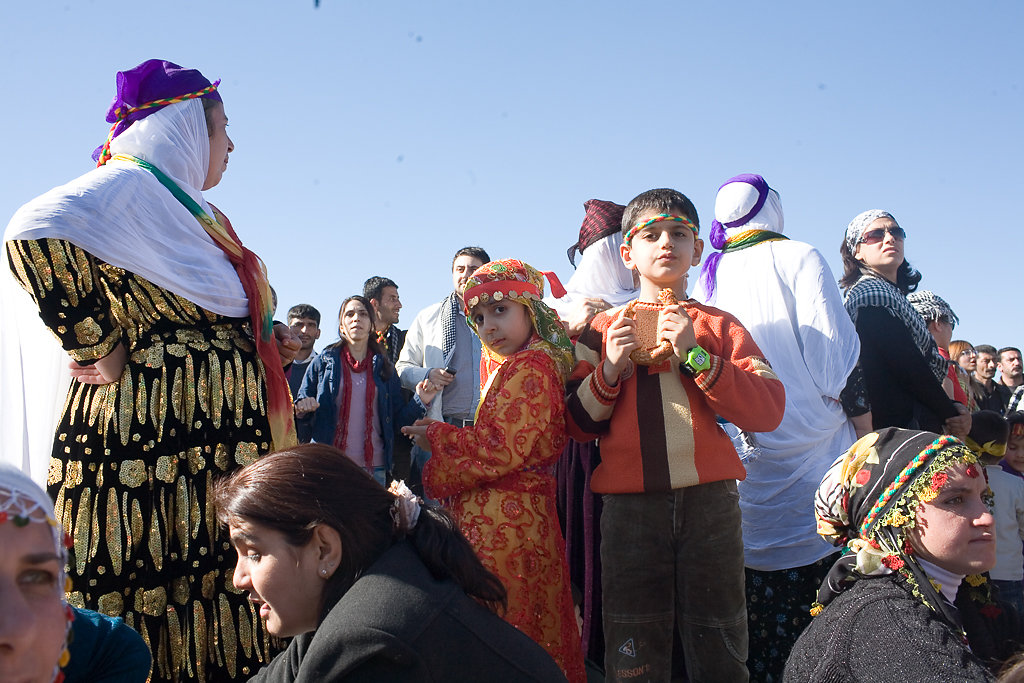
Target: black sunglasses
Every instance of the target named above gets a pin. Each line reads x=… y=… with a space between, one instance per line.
x=878 y=234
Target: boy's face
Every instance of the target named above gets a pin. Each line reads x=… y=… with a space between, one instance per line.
x=1015 y=453
x=663 y=252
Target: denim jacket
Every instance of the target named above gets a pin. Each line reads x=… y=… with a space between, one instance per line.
x=322 y=382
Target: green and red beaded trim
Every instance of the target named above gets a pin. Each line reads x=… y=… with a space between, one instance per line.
x=628 y=239
x=121 y=113
x=906 y=475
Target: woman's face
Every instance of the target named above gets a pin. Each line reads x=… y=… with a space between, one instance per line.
x=884 y=255
x=955 y=530
x=33 y=624
x=282 y=579
x=355 y=322
x=220 y=144
x=968 y=360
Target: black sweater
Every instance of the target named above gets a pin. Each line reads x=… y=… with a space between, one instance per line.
x=876 y=630
x=901 y=386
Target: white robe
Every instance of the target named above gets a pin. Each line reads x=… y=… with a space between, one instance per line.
x=785 y=295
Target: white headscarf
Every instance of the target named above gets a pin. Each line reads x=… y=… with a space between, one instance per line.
x=601 y=274
x=121 y=214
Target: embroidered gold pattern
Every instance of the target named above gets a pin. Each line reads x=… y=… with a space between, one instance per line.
x=135 y=459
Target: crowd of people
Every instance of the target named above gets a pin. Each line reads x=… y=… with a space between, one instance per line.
x=756 y=471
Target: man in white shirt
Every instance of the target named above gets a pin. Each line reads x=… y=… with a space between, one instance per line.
x=441 y=345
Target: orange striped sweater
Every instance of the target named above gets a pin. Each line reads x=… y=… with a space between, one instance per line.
x=657 y=426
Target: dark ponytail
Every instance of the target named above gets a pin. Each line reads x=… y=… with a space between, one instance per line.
x=448 y=554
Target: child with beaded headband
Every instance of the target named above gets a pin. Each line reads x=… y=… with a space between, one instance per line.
x=497 y=476
x=911 y=510
x=650 y=381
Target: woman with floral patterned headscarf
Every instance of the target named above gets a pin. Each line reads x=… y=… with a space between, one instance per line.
x=497 y=476
x=911 y=510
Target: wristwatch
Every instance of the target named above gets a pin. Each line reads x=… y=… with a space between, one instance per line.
x=697 y=359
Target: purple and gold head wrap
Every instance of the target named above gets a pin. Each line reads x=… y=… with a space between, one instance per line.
x=513 y=280
x=146 y=89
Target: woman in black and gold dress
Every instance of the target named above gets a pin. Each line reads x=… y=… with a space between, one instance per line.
x=177 y=373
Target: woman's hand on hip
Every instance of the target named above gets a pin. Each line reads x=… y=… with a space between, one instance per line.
x=104 y=371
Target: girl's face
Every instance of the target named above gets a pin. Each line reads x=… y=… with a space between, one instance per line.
x=282 y=579
x=355 y=322
x=33 y=625
x=1015 y=453
x=968 y=360
x=885 y=255
x=504 y=326
x=955 y=530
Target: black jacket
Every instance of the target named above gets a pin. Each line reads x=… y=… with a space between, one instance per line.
x=397 y=623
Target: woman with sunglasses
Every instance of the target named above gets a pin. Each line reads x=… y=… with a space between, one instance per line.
x=901 y=370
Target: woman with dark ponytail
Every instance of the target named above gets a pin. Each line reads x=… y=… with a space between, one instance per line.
x=374 y=585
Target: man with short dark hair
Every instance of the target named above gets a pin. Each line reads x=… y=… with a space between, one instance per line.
x=439 y=340
x=985 y=388
x=304 y=321
x=383 y=295
x=1011 y=373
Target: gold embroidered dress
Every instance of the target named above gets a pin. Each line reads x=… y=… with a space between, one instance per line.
x=133 y=460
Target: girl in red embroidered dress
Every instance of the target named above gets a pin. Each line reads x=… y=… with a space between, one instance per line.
x=497 y=476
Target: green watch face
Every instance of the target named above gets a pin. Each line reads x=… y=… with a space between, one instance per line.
x=698 y=359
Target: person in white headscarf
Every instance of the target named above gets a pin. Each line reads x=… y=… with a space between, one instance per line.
x=784 y=293
x=178 y=373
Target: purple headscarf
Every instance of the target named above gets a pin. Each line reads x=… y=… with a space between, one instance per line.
x=717 y=235
x=152 y=80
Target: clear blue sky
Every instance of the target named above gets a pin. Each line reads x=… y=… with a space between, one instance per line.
x=377 y=137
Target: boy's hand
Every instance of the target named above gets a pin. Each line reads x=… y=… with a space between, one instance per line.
x=676 y=326
x=619 y=343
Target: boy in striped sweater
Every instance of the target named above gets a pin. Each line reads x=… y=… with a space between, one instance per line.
x=671 y=546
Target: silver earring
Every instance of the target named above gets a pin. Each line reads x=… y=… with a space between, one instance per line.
x=323 y=571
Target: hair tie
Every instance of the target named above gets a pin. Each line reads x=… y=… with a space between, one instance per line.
x=405 y=510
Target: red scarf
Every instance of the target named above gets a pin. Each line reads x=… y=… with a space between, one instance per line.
x=349 y=365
